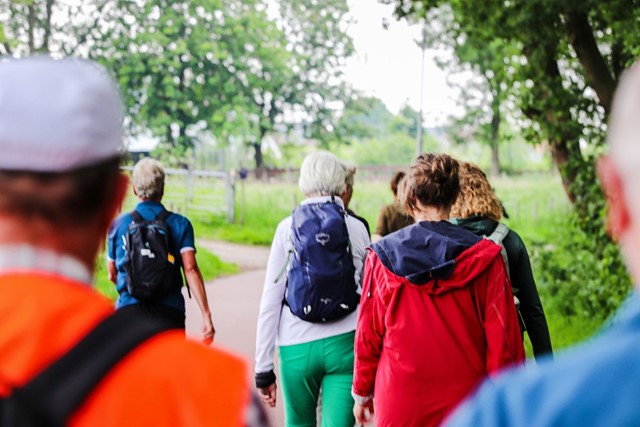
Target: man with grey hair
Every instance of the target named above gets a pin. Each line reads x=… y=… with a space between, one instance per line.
x=66 y=358
x=347 y=194
x=148 y=180
x=597 y=383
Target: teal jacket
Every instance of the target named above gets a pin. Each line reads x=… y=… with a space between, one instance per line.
x=524 y=286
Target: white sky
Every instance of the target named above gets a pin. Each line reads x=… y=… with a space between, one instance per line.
x=386 y=63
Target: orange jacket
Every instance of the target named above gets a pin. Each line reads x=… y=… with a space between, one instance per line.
x=166 y=381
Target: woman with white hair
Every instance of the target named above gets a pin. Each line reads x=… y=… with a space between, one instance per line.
x=316 y=351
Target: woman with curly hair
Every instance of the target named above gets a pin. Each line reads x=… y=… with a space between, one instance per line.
x=436 y=313
x=479 y=211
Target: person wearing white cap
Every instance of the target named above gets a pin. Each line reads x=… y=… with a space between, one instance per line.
x=596 y=383
x=65 y=357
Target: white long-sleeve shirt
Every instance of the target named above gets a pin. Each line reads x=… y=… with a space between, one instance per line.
x=276 y=322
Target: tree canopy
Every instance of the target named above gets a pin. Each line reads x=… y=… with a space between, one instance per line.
x=227 y=69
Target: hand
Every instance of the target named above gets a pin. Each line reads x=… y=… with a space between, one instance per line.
x=363 y=413
x=268 y=395
x=208 y=330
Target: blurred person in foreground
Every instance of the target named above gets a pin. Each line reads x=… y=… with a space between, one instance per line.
x=148 y=179
x=347 y=194
x=595 y=383
x=436 y=314
x=60 y=187
x=479 y=210
x=392 y=217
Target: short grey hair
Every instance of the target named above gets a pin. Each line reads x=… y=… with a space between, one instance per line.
x=321 y=174
x=349 y=174
x=148 y=179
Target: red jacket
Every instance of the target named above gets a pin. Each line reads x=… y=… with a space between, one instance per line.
x=436 y=316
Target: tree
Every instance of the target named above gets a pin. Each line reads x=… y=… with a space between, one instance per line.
x=188 y=66
x=363 y=117
x=569 y=58
x=318 y=45
x=46 y=26
x=406 y=121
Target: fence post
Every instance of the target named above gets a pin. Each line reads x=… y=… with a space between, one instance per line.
x=187 y=197
x=231 y=199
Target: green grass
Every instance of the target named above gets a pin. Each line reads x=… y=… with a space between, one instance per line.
x=536 y=205
x=210 y=265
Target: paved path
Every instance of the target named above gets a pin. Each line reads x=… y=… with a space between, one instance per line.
x=234 y=303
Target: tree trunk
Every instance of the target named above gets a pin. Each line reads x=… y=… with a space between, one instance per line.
x=260 y=170
x=31 y=23
x=495 y=141
x=555 y=118
x=565 y=161
x=495 y=160
x=596 y=69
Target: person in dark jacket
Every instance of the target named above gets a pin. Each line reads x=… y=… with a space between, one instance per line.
x=480 y=211
x=436 y=313
x=391 y=217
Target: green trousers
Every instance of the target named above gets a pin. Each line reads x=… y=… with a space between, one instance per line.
x=305 y=368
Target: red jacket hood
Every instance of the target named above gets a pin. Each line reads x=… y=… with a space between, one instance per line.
x=436 y=256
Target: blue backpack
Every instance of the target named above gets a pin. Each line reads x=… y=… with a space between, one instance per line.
x=320 y=282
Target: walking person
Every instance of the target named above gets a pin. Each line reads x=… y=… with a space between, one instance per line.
x=391 y=217
x=479 y=210
x=309 y=301
x=167 y=305
x=65 y=357
x=347 y=194
x=595 y=383
x=436 y=314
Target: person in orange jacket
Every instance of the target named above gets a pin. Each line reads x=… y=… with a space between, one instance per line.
x=60 y=187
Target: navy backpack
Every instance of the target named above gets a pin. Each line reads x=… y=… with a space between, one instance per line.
x=320 y=282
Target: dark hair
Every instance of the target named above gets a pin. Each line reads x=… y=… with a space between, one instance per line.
x=433 y=180
x=63 y=198
x=395 y=180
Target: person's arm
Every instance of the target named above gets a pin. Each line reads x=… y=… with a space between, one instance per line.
x=112 y=271
x=193 y=275
x=370 y=331
x=502 y=330
x=530 y=304
x=269 y=316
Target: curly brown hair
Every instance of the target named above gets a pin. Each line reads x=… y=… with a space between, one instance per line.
x=433 y=180
x=476 y=195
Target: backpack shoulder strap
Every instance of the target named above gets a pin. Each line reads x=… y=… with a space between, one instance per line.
x=499 y=233
x=135 y=215
x=162 y=216
x=63 y=386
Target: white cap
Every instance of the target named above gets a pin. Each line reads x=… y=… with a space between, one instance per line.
x=57 y=115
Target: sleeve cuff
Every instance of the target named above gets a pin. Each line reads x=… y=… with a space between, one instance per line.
x=361 y=400
x=265 y=379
